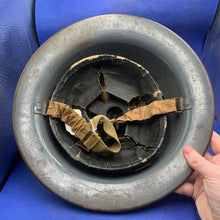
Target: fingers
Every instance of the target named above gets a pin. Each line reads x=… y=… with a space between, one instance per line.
x=185 y=189
x=208 y=156
x=215 y=143
x=216 y=159
x=193 y=176
x=197 y=162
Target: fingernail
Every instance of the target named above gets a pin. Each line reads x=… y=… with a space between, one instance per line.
x=188 y=150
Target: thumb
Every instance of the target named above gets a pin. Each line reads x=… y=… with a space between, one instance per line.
x=197 y=162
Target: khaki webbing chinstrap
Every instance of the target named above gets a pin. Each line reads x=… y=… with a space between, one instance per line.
x=148 y=111
x=94 y=141
x=91 y=140
x=70 y=117
x=87 y=132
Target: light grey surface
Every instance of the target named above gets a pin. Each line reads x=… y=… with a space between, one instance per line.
x=172 y=64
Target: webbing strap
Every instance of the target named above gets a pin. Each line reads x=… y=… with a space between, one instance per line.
x=94 y=141
x=90 y=135
x=68 y=115
x=83 y=130
x=148 y=111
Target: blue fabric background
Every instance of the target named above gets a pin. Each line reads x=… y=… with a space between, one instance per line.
x=189 y=19
x=211 y=60
x=18 y=42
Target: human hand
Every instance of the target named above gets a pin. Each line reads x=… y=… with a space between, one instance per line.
x=205 y=188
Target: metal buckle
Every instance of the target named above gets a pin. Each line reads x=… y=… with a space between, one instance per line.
x=40 y=108
x=184 y=103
